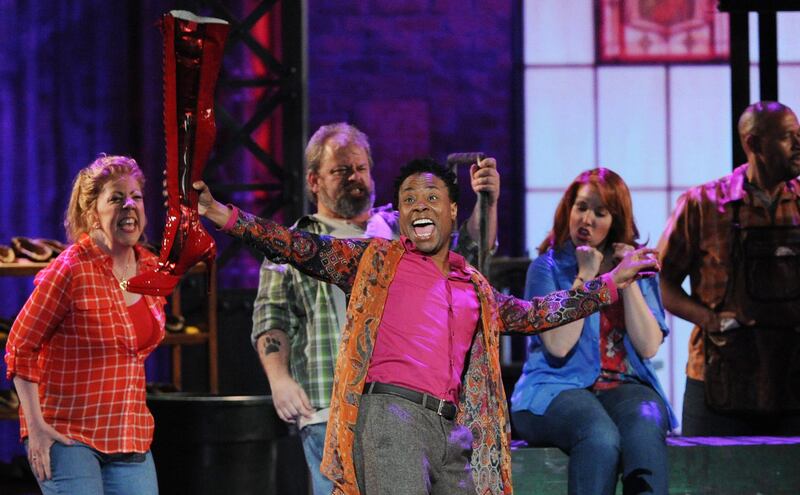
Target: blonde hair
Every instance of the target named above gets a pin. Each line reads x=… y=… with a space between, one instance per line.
x=86 y=188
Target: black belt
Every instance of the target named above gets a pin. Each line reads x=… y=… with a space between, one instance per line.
x=443 y=408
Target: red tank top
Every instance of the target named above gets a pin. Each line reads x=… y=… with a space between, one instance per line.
x=143 y=323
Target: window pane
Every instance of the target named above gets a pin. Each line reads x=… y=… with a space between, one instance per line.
x=700 y=122
x=755 y=83
x=674 y=195
x=650 y=210
x=559 y=125
x=559 y=31
x=631 y=124
x=789 y=86
x=539 y=210
x=788 y=46
x=752 y=32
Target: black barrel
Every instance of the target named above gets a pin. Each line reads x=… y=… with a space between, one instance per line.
x=207 y=444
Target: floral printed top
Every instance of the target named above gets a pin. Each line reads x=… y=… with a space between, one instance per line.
x=365 y=269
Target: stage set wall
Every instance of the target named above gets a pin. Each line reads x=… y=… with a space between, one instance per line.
x=77 y=78
x=420 y=77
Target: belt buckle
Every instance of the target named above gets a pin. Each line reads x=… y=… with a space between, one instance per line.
x=439 y=407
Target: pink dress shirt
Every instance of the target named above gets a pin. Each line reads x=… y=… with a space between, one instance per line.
x=427 y=326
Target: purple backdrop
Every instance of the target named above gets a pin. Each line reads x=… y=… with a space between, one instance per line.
x=420 y=77
x=75 y=80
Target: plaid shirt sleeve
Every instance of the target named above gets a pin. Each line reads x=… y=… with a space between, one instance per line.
x=271 y=309
x=38 y=319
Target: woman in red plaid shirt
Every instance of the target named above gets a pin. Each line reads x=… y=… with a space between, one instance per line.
x=76 y=351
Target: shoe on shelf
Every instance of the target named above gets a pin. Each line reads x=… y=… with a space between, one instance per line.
x=7 y=254
x=174 y=324
x=55 y=245
x=9 y=400
x=31 y=249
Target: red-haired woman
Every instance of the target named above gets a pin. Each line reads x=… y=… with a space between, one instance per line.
x=588 y=387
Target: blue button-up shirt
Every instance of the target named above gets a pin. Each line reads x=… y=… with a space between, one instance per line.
x=544 y=376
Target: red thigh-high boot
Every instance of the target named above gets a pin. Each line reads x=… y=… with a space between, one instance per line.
x=192 y=56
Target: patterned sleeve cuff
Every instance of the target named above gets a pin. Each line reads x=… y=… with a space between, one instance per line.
x=612 y=286
x=232 y=219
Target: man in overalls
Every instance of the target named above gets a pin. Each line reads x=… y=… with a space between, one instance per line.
x=738 y=240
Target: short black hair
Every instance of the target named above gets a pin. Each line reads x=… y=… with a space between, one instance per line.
x=422 y=166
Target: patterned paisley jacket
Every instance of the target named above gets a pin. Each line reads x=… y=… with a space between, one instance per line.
x=365 y=269
x=482 y=403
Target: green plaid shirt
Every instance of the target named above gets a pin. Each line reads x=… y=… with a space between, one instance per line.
x=305 y=309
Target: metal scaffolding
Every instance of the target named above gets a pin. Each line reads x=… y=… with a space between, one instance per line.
x=261 y=109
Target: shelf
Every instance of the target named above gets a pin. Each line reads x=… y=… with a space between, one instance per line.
x=21 y=269
x=176 y=340
x=7 y=414
x=185 y=338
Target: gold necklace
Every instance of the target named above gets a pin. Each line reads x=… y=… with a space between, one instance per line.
x=123 y=280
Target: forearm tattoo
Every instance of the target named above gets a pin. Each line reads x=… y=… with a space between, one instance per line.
x=270 y=345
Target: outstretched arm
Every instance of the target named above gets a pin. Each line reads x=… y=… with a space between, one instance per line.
x=325 y=258
x=560 y=307
x=555 y=309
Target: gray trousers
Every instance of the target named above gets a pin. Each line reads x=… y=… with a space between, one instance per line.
x=402 y=448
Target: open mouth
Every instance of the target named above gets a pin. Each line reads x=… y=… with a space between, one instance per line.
x=423 y=228
x=356 y=190
x=127 y=225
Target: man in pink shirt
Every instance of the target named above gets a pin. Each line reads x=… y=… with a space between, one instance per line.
x=418 y=404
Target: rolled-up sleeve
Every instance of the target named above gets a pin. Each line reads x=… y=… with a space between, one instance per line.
x=39 y=318
x=271 y=310
x=677 y=247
